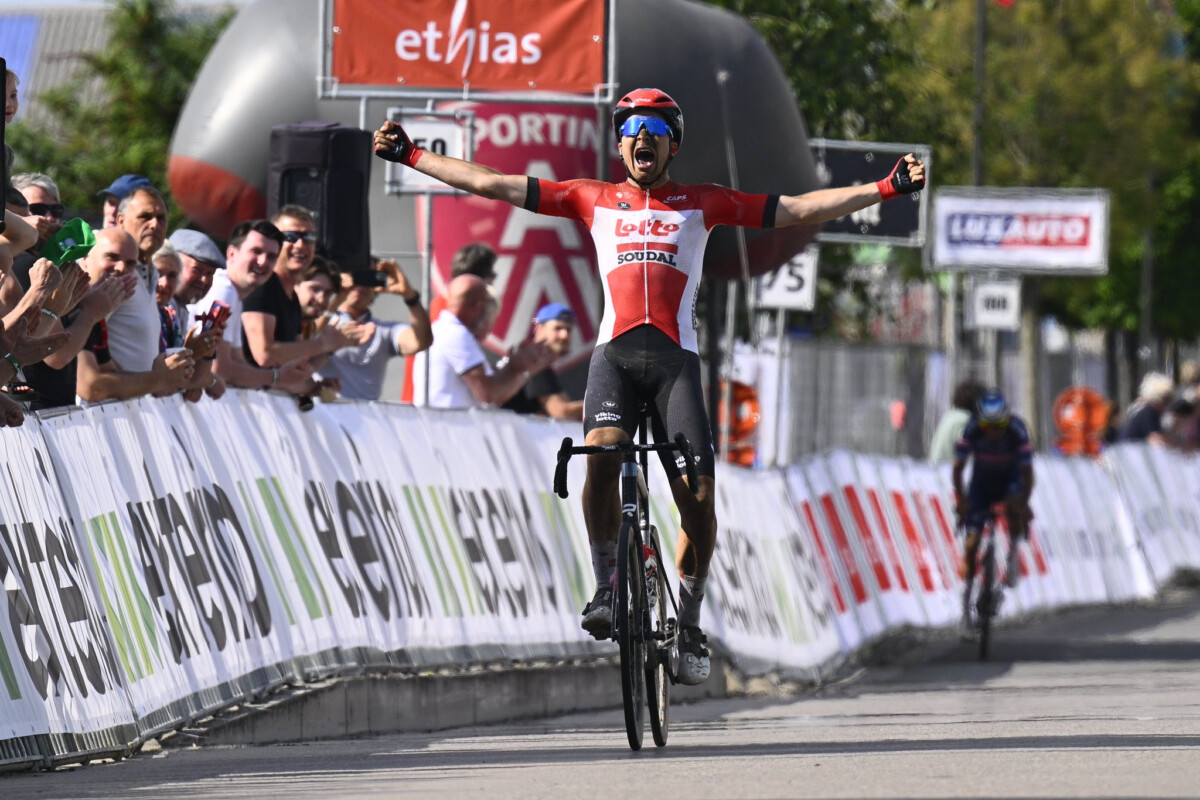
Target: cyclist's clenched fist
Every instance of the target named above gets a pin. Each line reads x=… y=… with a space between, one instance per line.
x=393 y=144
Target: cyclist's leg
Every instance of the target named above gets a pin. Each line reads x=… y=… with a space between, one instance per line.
x=607 y=420
x=1016 y=514
x=679 y=407
x=979 y=501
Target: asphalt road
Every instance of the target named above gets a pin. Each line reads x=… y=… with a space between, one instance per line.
x=1085 y=703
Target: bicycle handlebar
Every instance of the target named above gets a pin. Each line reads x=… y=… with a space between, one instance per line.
x=567 y=449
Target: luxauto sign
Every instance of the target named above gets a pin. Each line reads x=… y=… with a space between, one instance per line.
x=1026 y=230
x=486 y=45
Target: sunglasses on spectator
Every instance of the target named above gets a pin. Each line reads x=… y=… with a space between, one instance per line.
x=296 y=236
x=54 y=210
x=655 y=125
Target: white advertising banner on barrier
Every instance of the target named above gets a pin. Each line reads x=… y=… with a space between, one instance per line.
x=161 y=560
x=58 y=669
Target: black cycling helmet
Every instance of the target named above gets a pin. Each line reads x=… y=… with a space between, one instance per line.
x=653 y=101
x=992 y=409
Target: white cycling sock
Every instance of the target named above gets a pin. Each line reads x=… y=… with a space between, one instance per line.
x=691 y=594
x=604 y=562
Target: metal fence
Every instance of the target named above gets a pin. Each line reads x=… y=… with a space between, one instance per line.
x=887 y=398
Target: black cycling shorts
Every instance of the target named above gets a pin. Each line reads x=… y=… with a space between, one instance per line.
x=644 y=365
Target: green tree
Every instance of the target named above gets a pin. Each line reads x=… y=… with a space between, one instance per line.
x=1079 y=94
x=145 y=71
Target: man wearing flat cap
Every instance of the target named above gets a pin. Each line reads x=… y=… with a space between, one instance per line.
x=199 y=259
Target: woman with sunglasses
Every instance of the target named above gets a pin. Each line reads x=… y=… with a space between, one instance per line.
x=998 y=441
x=650 y=234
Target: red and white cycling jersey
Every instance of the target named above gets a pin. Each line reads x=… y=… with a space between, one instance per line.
x=650 y=244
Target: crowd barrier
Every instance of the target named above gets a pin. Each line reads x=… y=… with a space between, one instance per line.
x=163 y=560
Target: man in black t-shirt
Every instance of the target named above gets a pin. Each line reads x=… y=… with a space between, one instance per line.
x=271 y=317
x=542 y=393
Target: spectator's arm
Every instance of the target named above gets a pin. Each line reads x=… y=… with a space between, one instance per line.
x=18 y=234
x=96 y=382
x=497 y=388
x=259 y=330
x=418 y=336
x=231 y=366
x=559 y=406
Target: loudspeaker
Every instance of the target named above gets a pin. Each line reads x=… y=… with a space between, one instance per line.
x=326 y=168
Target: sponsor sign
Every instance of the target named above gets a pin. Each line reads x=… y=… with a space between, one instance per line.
x=995 y=305
x=1037 y=231
x=444 y=133
x=451 y=47
x=794 y=285
x=899 y=222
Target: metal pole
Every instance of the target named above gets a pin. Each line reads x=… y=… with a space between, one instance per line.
x=780 y=372
x=744 y=259
x=427 y=280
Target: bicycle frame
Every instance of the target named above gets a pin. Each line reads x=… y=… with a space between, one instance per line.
x=647 y=641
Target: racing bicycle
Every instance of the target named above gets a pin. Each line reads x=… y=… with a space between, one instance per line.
x=987 y=592
x=644 y=606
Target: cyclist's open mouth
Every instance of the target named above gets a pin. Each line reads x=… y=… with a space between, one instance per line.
x=644 y=157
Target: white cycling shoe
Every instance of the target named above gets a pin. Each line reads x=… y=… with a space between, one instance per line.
x=694 y=662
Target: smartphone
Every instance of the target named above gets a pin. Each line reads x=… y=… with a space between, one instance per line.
x=369 y=277
x=217 y=313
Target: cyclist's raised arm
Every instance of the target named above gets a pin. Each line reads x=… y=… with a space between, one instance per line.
x=393 y=144
x=811 y=208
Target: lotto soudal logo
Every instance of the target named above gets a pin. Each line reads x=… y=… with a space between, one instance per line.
x=653 y=227
x=482 y=43
x=655 y=252
x=1019 y=230
x=623 y=205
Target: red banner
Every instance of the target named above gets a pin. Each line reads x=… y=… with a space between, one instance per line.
x=488 y=45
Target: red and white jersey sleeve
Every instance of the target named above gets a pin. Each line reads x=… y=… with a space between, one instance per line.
x=650 y=245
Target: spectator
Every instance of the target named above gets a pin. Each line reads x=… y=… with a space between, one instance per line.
x=459 y=373
x=117 y=191
x=98 y=376
x=1144 y=420
x=1179 y=424
x=271 y=315
x=950 y=427
x=167 y=266
x=52 y=383
x=21 y=350
x=135 y=328
x=543 y=394
x=473 y=259
x=45 y=211
x=316 y=290
x=11 y=104
x=253 y=249
x=199 y=259
x=361 y=367
x=1189 y=380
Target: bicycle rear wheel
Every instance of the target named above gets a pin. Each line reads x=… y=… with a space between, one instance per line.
x=660 y=636
x=629 y=610
x=985 y=606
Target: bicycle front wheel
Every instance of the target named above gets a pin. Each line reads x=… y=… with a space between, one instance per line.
x=985 y=607
x=660 y=635
x=629 y=611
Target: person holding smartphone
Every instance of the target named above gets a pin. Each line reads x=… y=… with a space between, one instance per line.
x=361 y=367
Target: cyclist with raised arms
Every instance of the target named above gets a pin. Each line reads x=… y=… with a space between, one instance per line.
x=998 y=441
x=650 y=234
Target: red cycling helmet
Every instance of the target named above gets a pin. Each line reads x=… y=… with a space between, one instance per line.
x=654 y=101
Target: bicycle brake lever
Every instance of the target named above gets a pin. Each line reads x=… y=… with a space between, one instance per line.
x=689 y=461
x=560 y=470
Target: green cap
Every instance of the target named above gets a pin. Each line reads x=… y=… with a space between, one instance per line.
x=71 y=243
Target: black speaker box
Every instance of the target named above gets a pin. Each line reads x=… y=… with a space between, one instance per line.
x=326 y=168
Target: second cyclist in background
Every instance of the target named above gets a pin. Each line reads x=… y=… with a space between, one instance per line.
x=998 y=443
